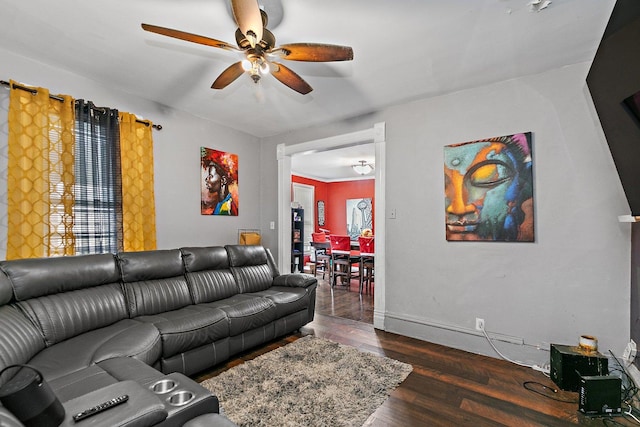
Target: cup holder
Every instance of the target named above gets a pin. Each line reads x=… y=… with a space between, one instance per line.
x=181 y=398
x=163 y=386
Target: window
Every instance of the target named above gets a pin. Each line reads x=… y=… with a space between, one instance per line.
x=97 y=209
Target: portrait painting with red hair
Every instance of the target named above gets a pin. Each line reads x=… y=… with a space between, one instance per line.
x=219 y=182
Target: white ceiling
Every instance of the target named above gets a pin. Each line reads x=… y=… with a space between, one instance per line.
x=334 y=165
x=403 y=50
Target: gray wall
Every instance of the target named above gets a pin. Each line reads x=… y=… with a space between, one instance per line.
x=573 y=280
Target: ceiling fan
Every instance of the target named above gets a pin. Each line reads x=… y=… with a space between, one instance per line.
x=258 y=45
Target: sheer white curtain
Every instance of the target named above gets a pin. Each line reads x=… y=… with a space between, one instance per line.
x=4 y=134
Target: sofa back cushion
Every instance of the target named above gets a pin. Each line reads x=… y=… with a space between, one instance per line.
x=208 y=274
x=67 y=314
x=20 y=340
x=154 y=281
x=35 y=277
x=250 y=267
x=66 y=296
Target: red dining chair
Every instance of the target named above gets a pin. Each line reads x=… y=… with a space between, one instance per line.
x=321 y=250
x=367 y=264
x=342 y=260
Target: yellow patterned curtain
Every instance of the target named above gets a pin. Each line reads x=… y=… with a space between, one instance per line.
x=40 y=174
x=138 y=202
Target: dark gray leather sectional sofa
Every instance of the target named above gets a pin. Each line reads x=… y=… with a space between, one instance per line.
x=138 y=322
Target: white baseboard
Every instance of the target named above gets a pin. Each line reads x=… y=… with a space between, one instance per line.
x=378 y=320
x=455 y=328
x=466 y=338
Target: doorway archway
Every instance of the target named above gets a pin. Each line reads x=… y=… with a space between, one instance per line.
x=375 y=135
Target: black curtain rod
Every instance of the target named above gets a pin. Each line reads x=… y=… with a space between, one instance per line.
x=57 y=98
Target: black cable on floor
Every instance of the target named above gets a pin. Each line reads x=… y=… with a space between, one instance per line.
x=545 y=391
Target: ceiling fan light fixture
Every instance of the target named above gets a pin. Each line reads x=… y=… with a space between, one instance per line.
x=259 y=46
x=363 y=168
x=264 y=68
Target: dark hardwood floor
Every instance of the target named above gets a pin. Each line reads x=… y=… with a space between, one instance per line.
x=447 y=387
x=344 y=302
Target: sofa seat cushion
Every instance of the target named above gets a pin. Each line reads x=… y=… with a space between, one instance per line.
x=124 y=338
x=246 y=312
x=189 y=327
x=287 y=300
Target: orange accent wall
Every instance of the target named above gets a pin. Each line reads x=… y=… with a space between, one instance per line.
x=335 y=195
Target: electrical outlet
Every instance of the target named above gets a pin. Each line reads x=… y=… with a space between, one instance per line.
x=479 y=324
x=630 y=352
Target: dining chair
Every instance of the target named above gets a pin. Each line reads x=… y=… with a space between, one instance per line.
x=321 y=249
x=367 y=262
x=342 y=260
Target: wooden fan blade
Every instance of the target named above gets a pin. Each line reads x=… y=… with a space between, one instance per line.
x=194 y=38
x=249 y=19
x=314 y=52
x=228 y=76
x=289 y=78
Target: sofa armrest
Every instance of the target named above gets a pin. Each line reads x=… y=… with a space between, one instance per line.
x=7 y=419
x=299 y=280
x=143 y=409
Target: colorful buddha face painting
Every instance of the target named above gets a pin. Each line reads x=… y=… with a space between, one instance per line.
x=489 y=190
x=219 y=182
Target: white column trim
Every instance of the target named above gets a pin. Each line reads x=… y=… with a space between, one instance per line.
x=284 y=210
x=379 y=299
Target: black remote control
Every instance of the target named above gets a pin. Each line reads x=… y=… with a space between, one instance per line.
x=101 y=407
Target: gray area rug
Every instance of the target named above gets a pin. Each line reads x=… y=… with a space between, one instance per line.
x=310 y=382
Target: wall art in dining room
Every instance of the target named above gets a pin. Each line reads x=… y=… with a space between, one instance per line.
x=359 y=216
x=218 y=183
x=489 y=189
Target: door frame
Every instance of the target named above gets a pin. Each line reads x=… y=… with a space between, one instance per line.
x=284 y=152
